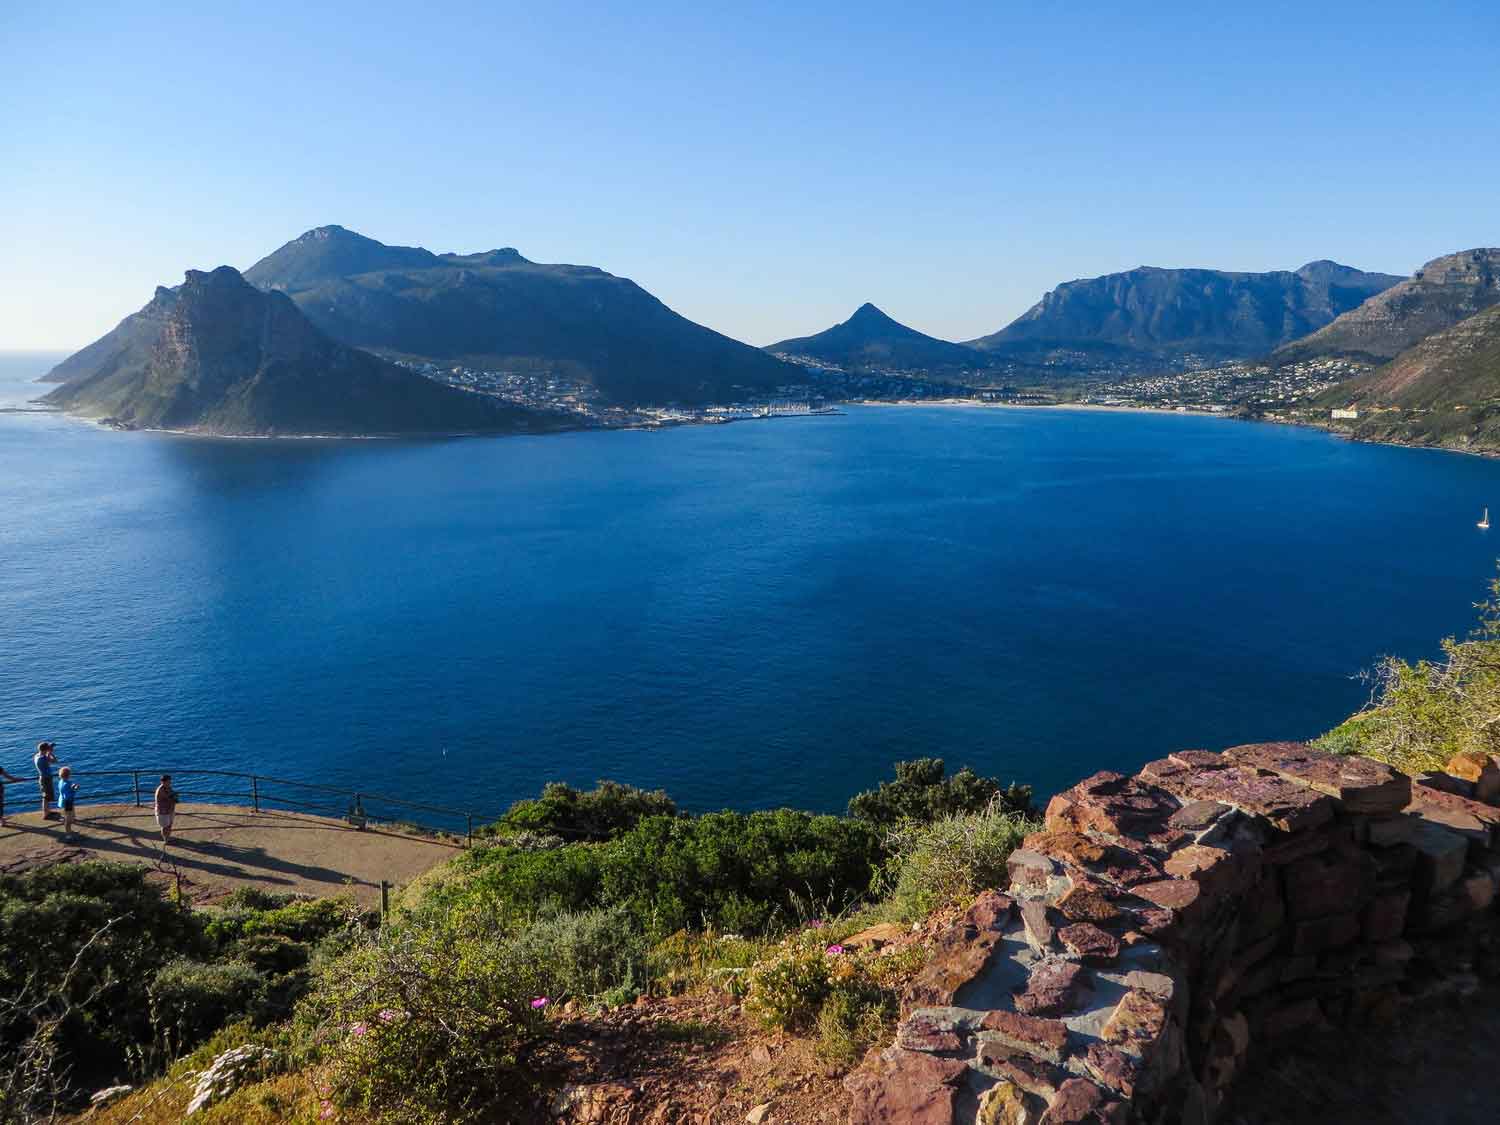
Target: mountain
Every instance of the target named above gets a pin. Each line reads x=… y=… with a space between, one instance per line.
x=1150 y=315
x=1444 y=390
x=216 y=355
x=870 y=339
x=1439 y=295
x=497 y=311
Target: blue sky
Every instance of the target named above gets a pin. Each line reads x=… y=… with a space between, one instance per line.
x=762 y=168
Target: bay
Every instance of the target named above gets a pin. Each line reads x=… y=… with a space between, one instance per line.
x=759 y=614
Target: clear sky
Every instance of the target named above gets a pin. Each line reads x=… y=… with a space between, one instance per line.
x=762 y=168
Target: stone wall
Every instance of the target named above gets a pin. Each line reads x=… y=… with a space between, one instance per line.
x=1164 y=926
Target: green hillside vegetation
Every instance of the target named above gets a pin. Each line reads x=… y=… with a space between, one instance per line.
x=1421 y=714
x=441 y=1014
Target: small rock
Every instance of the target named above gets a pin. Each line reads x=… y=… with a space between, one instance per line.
x=109 y=1094
x=758 y=1114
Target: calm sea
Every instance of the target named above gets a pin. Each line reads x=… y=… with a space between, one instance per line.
x=751 y=615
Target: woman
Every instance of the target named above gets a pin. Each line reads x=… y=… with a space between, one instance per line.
x=46 y=756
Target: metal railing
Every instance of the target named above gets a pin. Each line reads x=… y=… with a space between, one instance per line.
x=260 y=792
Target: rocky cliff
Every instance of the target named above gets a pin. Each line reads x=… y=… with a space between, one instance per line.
x=1165 y=926
x=216 y=355
x=1439 y=295
x=1167 y=313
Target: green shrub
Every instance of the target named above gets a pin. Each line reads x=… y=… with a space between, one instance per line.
x=692 y=959
x=851 y=1022
x=952 y=859
x=787 y=989
x=432 y=1021
x=601 y=813
x=272 y=954
x=190 y=1000
x=585 y=954
x=304 y=920
x=922 y=793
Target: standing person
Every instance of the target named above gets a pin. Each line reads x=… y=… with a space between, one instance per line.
x=68 y=792
x=46 y=756
x=6 y=778
x=166 y=808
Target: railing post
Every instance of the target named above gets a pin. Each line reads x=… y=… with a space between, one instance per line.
x=385 y=900
x=255 y=792
x=136 y=777
x=469 y=841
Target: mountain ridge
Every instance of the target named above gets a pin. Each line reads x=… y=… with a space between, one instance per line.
x=216 y=355
x=496 y=309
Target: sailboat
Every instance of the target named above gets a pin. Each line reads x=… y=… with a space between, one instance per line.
x=1484 y=524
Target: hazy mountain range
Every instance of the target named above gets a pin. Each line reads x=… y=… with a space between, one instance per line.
x=301 y=342
x=216 y=355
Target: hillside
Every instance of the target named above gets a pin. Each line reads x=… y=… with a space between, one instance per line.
x=1439 y=295
x=872 y=340
x=1151 y=316
x=1443 y=390
x=216 y=355
x=497 y=311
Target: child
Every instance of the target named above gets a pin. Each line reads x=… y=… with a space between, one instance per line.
x=67 y=794
x=166 y=806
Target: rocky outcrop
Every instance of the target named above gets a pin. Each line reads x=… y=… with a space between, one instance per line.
x=1163 y=926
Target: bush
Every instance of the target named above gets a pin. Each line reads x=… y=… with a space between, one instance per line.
x=602 y=813
x=850 y=1023
x=1422 y=714
x=921 y=793
x=952 y=859
x=303 y=920
x=787 y=989
x=734 y=872
x=430 y=1022
x=585 y=954
x=190 y=1000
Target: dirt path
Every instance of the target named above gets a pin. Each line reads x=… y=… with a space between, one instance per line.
x=217 y=848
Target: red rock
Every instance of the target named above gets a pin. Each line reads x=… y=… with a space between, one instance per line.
x=1109 y=861
x=1284 y=804
x=1088 y=903
x=905 y=1088
x=1138 y=1019
x=1170 y=894
x=1479 y=887
x=1289 y=847
x=920 y=1032
x=1387 y=831
x=1216 y=870
x=1088 y=941
x=1360 y=784
x=960 y=953
x=1198 y=759
x=1328 y=884
x=1044 y=1039
x=1112 y=804
x=1030 y=871
x=1479 y=770
x=1474 y=820
x=1021 y=1070
x=1069 y=846
x=1052 y=989
x=1113 y=1068
x=875 y=937
x=1325 y=933
x=1039 y=927
x=1385 y=918
x=1198 y=816
x=1290 y=1017
x=1079 y=1100
x=1440 y=855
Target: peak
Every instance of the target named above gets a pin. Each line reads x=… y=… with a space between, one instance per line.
x=222 y=277
x=867 y=311
x=325 y=234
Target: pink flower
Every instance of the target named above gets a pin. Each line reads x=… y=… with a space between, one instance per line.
x=835 y=949
x=326 y=1112
x=386 y=1015
x=360 y=1029
x=539 y=1003
x=815 y=924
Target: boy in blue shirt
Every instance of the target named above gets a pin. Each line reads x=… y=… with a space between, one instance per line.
x=67 y=794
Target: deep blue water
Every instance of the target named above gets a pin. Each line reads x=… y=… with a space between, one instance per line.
x=751 y=615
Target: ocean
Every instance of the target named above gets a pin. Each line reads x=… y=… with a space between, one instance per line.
x=752 y=615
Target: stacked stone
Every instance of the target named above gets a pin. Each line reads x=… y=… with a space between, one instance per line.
x=1162 y=924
